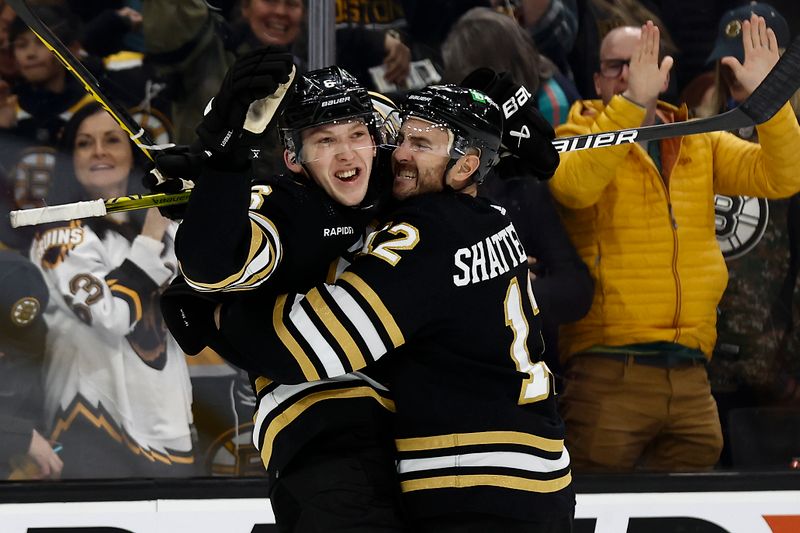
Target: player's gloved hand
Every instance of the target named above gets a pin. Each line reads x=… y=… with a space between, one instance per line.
x=248 y=98
x=526 y=133
x=174 y=170
x=189 y=315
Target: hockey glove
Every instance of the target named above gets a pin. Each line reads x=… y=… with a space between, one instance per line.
x=526 y=133
x=189 y=315
x=248 y=99
x=174 y=170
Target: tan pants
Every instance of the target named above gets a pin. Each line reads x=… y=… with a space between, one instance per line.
x=621 y=416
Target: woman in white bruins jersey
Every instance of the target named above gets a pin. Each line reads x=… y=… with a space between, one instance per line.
x=117 y=389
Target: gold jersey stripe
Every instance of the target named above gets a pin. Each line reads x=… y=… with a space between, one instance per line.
x=342 y=336
x=377 y=305
x=478 y=480
x=262 y=383
x=299 y=407
x=133 y=295
x=288 y=340
x=483 y=437
x=256 y=238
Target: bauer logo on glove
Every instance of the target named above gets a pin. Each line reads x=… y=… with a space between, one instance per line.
x=526 y=133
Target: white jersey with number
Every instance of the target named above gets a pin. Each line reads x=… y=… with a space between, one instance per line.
x=109 y=357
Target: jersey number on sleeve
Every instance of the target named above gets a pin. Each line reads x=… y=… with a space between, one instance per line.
x=536 y=386
x=257 y=194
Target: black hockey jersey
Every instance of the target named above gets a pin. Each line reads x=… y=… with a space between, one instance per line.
x=444 y=283
x=290 y=238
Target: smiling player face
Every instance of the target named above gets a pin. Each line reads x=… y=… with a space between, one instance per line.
x=339 y=158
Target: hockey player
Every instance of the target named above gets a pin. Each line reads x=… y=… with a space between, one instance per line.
x=443 y=285
x=327 y=445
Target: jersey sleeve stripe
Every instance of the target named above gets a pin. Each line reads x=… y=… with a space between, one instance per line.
x=341 y=335
x=262 y=257
x=492 y=480
x=386 y=318
x=288 y=340
x=485 y=437
x=297 y=409
x=362 y=324
x=261 y=383
x=130 y=296
x=320 y=347
x=494 y=459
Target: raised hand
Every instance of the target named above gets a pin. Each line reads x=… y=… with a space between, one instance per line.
x=646 y=78
x=253 y=78
x=760 y=54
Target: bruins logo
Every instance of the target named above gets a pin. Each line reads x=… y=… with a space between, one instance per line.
x=33 y=175
x=155 y=123
x=233 y=454
x=24 y=311
x=740 y=223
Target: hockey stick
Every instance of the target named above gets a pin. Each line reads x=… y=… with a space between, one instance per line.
x=137 y=134
x=94 y=208
x=776 y=88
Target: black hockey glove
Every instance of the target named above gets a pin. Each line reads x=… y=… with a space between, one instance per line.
x=256 y=82
x=189 y=315
x=174 y=170
x=526 y=133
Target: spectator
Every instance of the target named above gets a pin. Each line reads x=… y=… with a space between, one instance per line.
x=483 y=37
x=24 y=452
x=195 y=56
x=596 y=19
x=32 y=112
x=371 y=33
x=108 y=25
x=754 y=360
x=553 y=24
x=728 y=92
x=117 y=391
x=637 y=392
x=429 y=21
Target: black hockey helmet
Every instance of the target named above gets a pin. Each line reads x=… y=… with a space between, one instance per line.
x=323 y=96
x=475 y=120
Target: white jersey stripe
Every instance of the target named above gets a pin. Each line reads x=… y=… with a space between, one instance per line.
x=283 y=393
x=319 y=346
x=359 y=318
x=515 y=460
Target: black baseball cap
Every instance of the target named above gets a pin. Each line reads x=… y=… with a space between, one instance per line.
x=729 y=34
x=23 y=299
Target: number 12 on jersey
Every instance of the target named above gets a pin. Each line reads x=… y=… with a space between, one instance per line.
x=536 y=386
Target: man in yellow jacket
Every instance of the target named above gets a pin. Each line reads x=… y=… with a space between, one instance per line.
x=642 y=218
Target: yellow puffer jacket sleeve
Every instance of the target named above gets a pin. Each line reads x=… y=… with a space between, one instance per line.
x=769 y=169
x=582 y=176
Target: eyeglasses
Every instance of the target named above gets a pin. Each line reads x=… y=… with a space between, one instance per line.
x=612 y=68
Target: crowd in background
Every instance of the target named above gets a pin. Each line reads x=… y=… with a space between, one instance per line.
x=84 y=355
